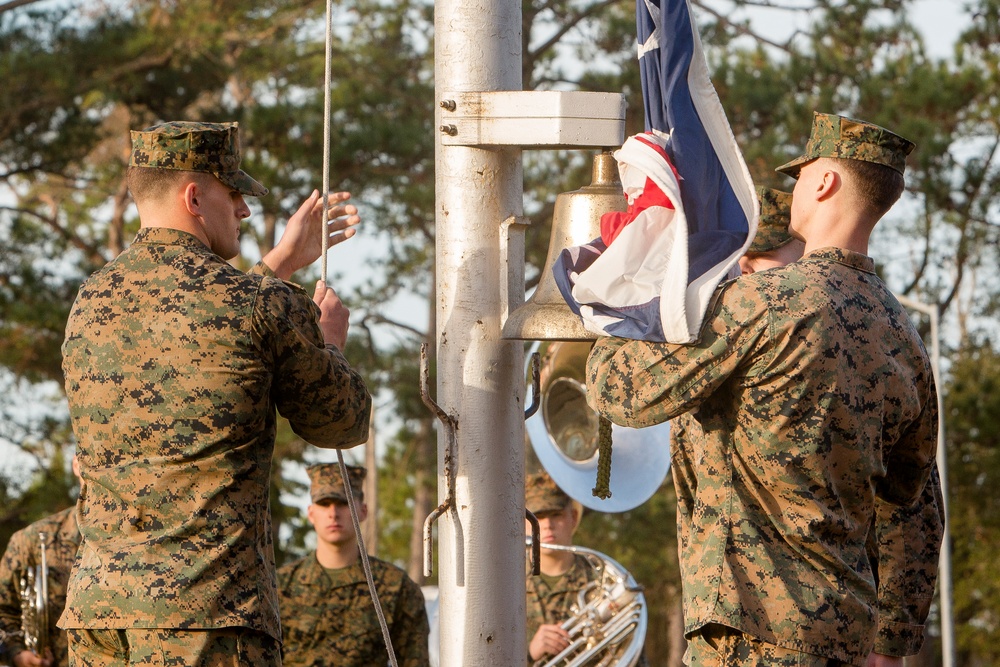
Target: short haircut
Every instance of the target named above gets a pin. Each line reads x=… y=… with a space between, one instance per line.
x=876 y=186
x=149 y=184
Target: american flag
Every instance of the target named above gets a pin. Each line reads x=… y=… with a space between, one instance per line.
x=692 y=206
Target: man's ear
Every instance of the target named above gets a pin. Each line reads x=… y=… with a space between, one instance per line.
x=362 y=511
x=191 y=196
x=829 y=184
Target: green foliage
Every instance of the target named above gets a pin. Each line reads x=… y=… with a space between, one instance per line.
x=397 y=481
x=973 y=435
x=78 y=75
x=49 y=490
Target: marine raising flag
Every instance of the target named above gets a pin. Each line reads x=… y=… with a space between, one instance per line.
x=692 y=208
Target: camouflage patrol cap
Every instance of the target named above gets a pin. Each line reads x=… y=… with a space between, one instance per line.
x=775 y=214
x=189 y=146
x=849 y=139
x=326 y=482
x=541 y=494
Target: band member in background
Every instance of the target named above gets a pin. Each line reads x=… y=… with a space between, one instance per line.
x=328 y=618
x=62 y=539
x=176 y=366
x=816 y=400
x=552 y=595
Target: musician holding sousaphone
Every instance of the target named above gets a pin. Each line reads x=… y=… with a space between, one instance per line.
x=553 y=597
x=33 y=575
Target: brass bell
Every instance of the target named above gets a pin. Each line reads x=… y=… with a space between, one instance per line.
x=575 y=221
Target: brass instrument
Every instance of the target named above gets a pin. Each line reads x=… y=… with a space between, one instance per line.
x=564 y=435
x=609 y=621
x=35 y=604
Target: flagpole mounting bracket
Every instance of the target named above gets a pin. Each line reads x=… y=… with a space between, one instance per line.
x=532 y=119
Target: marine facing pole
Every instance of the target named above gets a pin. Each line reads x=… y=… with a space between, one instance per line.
x=480 y=381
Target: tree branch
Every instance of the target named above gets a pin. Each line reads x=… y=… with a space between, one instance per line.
x=381 y=319
x=743 y=30
x=92 y=252
x=569 y=25
x=14 y=4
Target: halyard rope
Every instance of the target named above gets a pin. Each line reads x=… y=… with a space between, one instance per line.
x=327 y=81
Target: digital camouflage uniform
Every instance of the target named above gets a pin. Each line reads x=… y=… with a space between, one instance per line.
x=902 y=543
x=175 y=364
x=685 y=431
x=550 y=600
x=903 y=548
x=327 y=615
x=24 y=553
x=775 y=214
x=797 y=442
x=815 y=398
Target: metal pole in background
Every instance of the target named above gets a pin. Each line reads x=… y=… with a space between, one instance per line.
x=944 y=574
x=480 y=382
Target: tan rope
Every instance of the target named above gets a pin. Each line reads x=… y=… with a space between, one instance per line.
x=603 y=488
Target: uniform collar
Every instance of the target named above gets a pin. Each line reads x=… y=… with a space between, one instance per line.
x=168 y=236
x=316 y=574
x=855 y=260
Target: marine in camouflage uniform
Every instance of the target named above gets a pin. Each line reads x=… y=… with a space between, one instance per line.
x=553 y=595
x=327 y=614
x=175 y=364
x=685 y=432
x=62 y=539
x=775 y=214
x=902 y=544
x=816 y=412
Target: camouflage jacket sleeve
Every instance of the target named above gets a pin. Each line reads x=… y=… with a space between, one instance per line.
x=15 y=561
x=323 y=398
x=909 y=462
x=638 y=383
x=410 y=631
x=903 y=548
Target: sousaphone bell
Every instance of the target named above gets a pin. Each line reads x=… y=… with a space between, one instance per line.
x=564 y=431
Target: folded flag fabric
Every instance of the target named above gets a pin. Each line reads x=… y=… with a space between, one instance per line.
x=692 y=206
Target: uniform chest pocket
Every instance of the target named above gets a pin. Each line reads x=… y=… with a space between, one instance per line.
x=358 y=639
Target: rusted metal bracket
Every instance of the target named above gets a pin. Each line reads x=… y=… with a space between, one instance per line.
x=450 y=424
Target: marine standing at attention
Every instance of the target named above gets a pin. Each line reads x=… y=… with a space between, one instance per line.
x=327 y=613
x=176 y=364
